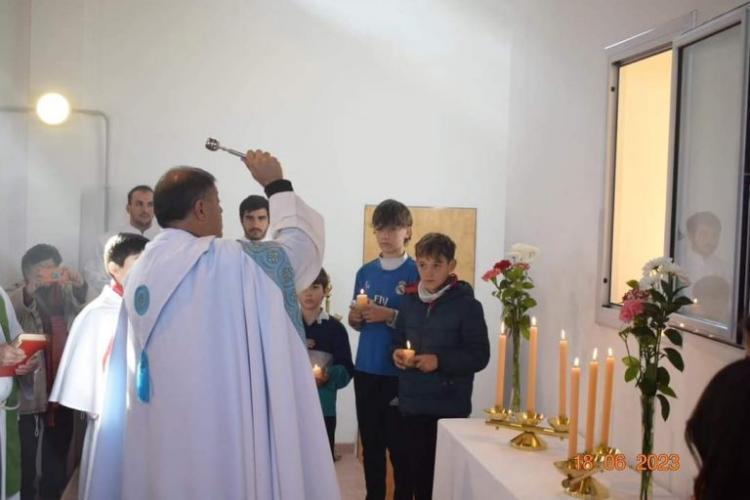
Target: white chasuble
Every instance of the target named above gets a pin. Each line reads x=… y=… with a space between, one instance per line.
x=209 y=392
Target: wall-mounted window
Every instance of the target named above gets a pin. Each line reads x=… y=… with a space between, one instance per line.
x=676 y=167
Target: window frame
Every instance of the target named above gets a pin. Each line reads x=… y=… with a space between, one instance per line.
x=736 y=17
x=646 y=44
x=676 y=36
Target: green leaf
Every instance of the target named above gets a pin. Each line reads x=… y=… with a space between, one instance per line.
x=525 y=332
x=662 y=376
x=528 y=285
x=665 y=389
x=631 y=361
x=674 y=336
x=675 y=358
x=647 y=340
x=633 y=284
x=642 y=331
x=650 y=309
x=528 y=303
x=664 y=406
x=657 y=296
x=683 y=301
x=631 y=373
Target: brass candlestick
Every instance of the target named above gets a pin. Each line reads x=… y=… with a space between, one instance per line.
x=528 y=440
x=528 y=423
x=559 y=423
x=579 y=481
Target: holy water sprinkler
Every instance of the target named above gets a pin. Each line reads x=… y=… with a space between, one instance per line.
x=213 y=145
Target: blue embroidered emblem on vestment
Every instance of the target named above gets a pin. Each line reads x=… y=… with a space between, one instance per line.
x=141 y=300
x=274 y=261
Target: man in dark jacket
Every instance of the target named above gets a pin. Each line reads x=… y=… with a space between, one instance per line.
x=447 y=344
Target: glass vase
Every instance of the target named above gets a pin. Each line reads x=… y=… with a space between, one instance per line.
x=647 y=444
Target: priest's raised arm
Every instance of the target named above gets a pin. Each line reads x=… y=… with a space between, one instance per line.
x=294 y=225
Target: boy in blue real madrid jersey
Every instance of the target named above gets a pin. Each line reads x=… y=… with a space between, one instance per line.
x=375 y=376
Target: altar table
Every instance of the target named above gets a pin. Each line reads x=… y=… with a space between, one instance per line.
x=475 y=461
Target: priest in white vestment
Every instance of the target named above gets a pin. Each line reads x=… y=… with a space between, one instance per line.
x=209 y=391
x=80 y=379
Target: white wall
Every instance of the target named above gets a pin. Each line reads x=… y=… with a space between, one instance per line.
x=433 y=103
x=359 y=102
x=14 y=79
x=50 y=177
x=555 y=191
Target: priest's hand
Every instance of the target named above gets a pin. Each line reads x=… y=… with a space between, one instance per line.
x=264 y=167
x=30 y=366
x=374 y=313
x=399 y=359
x=426 y=363
x=10 y=355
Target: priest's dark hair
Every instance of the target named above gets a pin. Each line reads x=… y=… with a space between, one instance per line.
x=121 y=246
x=717 y=437
x=252 y=203
x=39 y=253
x=177 y=191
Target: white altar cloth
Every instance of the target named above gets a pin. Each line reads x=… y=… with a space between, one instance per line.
x=475 y=461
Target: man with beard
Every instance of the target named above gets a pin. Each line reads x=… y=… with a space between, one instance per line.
x=254 y=217
x=48 y=302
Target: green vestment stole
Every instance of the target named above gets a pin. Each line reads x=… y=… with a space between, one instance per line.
x=13 y=438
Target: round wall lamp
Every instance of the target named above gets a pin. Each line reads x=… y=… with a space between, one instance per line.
x=53 y=108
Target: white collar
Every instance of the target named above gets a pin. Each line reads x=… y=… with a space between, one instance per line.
x=428 y=297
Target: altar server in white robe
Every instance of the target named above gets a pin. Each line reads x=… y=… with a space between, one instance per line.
x=80 y=379
x=209 y=391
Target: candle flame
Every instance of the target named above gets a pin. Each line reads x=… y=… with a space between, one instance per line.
x=695 y=301
x=533 y=321
x=361 y=291
x=609 y=352
x=408 y=344
x=316 y=367
x=502 y=327
x=562 y=334
x=576 y=362
x=594 y=354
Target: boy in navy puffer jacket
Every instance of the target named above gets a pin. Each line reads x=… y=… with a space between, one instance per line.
x=445 y=327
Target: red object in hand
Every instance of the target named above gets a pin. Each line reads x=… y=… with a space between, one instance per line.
x=30 y=343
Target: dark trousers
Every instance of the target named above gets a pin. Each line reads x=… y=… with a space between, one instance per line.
x=55 y=444
x=331 y=430
x=381 y=428
x=421 y=431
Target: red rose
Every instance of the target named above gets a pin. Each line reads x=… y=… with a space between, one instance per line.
x=492 y=273
x=502 y=265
